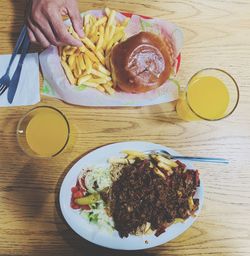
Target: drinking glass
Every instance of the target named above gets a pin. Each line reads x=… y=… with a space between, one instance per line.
x=211 y=94
x=44 y=132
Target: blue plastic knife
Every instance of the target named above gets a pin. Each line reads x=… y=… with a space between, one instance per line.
x=16 y=77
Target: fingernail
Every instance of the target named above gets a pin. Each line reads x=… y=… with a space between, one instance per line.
x=80 y=33
x=79 y=43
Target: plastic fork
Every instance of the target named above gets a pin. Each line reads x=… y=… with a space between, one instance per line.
x=5 y=79
x=190 y=158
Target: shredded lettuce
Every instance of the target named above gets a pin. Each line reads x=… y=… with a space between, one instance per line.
x=98 y=216
x=97 y=179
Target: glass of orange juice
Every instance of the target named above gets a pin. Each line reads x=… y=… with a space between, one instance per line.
x=211 y=94
x=44 y=132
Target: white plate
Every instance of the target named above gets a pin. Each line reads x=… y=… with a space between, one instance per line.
x=90 y=231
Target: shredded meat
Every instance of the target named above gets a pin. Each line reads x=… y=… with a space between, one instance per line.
x=140 y=196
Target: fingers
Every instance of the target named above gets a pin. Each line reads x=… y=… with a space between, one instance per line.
x=45 y=24
x=62 y=33
x=39 y=36
x=48 y=32
x=76 y=18
x=32 y=36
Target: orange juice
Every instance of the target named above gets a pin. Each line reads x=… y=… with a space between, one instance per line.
x=206 y=97
x=47 y=132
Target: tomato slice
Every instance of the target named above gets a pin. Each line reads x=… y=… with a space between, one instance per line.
x=85 y=207
x=77 y=194
x=74 y=206
x=74 y=189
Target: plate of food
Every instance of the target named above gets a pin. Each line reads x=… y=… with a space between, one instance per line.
x=127 y=196
x=125 y=60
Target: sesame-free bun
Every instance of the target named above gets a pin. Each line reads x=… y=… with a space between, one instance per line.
x=141 y=63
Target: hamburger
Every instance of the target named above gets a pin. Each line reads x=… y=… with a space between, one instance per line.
x=141 y=63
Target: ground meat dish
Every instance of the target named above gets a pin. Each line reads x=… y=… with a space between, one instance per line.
x=139 y=196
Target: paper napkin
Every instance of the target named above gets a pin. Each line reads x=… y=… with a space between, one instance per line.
x=28 y=90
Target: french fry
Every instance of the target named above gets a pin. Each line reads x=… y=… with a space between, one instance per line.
x=108 y=79
x=101 y=51
x=83 y=79
x=88 y=64
x=89 y=84
x=134 y=153
x=77 y=73
x=178 y=220
x=95 y=38
x=100 y=88
x=98 y=73
x=98 y=80
x=109 y=89
x=93 y=31
x=164 y=166
x=78 y=68
x=101 y=38
x=119 y=29
x=107 y=62
x=78 y=52
x=111 y=19
x=100 y=56
x=71 y=61
x=87 y=29
x=111 y=32
x=120 y=161
x=191 y=203
x=94 y=65
x=160 y=173
x=107 y=11
x=73 y=33
x=91 y=56
x=68 y=72
x=67 y=47
x=70 y=50
x=106 y=36
x=110 y=84
x=63 y=53
x=81 y=62
x=88 y=43
x=84 y=73
x=125 y=22
x=102 y=69
x=166 y=161
x=86 y=19
x=92 y=20
x=117 y=37
x=101 y=21
x=82 y=48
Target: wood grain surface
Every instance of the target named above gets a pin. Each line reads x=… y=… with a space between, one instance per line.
x=216 y=35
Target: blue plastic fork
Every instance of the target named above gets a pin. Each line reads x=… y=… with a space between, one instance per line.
x=5 y=79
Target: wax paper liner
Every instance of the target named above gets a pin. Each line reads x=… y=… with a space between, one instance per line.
x=57 y=85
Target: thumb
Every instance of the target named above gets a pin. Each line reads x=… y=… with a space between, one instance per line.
x=76 y=18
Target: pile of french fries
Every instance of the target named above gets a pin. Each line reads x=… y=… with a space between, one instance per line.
x=89 y=65
x=162 y=166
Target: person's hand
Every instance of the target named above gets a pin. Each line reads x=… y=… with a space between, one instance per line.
x=45 y=24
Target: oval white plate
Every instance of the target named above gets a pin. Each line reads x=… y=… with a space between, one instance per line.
x=90 y=231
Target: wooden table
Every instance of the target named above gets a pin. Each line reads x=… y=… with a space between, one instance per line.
x=216 y=35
